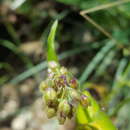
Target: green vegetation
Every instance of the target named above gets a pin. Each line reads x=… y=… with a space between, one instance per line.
x=63 y=96
x=95 y=48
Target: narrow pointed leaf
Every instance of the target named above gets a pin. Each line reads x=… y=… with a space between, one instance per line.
x=51 y=53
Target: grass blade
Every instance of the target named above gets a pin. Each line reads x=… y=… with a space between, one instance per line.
x=95 y=61
x=43 y=65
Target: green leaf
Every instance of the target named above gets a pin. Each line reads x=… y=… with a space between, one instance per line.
x=12 y=47
x=51 y=54
x=96 y=60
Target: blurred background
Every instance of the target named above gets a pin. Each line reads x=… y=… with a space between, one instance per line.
x=101 y=64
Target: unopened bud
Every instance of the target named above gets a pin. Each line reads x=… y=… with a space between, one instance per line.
x=84 y=100
x=73 y=83
x=50 y=112
x=50 y=82
x=71 y=113
x=49 y=70
x=43 y=86
x=63 y=70
x=60 y=93
x=63 y=111
x=75 y=95
x=50 y=95
x=52 y=64
x=61 y=119
x=64 y=107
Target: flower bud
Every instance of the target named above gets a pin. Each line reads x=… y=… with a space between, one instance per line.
x=63 y=70
x=73 y=83
x=61 y=81
x=75 y=95
x=50 y=82
x=52 y=64
x=60 y=93
x=64 y=107
x=61 y=119
x=43 y=86
x=63 y=111
x=50 y=75
x=50 y=95
x=50 y=112
x=71 y=113
x=84 y=100
x=49 y=70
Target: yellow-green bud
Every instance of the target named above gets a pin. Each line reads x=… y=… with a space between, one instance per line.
x=50 y=112
x=73 y=83
x=84 y=100
x=61 y=119
x=50 y=95
x=63 y=70
x=43 y=86
x=64 y=107
x=52 y=64
x=63 y=111
x=75 y=95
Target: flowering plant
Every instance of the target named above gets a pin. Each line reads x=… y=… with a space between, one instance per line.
x=64 y=98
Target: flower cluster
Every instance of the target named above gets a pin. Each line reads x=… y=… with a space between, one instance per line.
x=60 y=93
